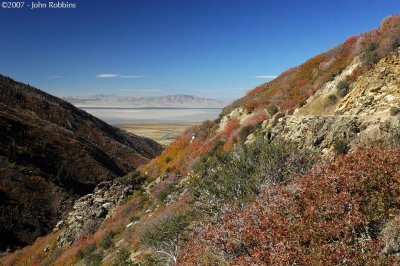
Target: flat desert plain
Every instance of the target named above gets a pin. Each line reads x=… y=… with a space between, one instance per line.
x=162 y=133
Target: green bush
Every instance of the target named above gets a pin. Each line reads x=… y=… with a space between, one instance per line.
x=166 y=236
x=331 y=100
x=133 y=177
x=123 y=258
x=246 y=131
x=342 y=88
x=150 y=260
x=80 y=254
x=162 y=196
x=237 y=177
x=338 y=112
x=134 y=218
x=90 y=249
x=394 y=110
x=370 y=55
x=93 y=260
x=290 y=112
x=340 y=146
x=272 y=109
x=168 y=159
x=90 y=257
x=108 y=240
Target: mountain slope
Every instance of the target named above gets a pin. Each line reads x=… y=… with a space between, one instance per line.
x=282 y=177
x=50 y=153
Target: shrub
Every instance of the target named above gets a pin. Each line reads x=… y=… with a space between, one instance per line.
x=370 y=55
x=272 y=109
x=90 y=249
x=394 y=138
x=331 y=100
x=162 y=196
x=150 y=260
x=168 y=159
x=338 y=112
x=123 y=258
x=247 y=130
x=331 y=216
x=290 y=112
x=108 y=240
x=166 y=236
x=80 y=254
x=342 y=88
x=394 y=110
x=90 y=257
x=230 y=127
x=278 y=116
x=236 y=177
x=132 y=178
x=340 y=147
x=391 y=236
x=251 y=107
x=93 y=260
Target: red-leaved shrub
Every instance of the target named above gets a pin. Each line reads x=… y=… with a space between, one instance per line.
x=332 y=216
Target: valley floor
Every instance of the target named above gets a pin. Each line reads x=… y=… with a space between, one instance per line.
x=162 y=133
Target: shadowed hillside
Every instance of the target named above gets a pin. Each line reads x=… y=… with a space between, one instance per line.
x=50 y=153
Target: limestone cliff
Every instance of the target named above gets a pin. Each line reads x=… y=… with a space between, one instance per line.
x=363 y=116
x=376 y=92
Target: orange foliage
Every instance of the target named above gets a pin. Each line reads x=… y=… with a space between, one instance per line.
x=292 y=88
x=30 y=254
x=230 y=127
x=184 y=150
x=254 y=119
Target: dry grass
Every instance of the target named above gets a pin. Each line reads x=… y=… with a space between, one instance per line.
x=32 y=254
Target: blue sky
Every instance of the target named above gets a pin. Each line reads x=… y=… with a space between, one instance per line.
x=216 y=48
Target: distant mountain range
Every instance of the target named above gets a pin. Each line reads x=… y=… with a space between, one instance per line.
x=178 y=100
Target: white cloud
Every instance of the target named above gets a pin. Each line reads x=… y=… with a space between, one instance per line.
x=266 y=77
x=107 y=75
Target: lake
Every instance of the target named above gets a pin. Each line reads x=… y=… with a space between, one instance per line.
x=161 y=115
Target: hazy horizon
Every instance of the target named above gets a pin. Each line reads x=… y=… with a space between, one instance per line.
x=213 y=49
x=135 y=116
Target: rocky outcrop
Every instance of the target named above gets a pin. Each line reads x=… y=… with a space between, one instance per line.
x=375 y=92
x=238 y=113
x=89 y=211
x=314 y=105
x=322 y=131
x=362 y=117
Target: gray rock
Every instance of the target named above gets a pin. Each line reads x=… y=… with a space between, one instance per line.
x=106 y=205
x=89 y=211
x=101 y=213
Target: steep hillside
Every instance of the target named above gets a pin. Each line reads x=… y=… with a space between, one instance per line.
x=312 y=85
x=366 y=114
x=292 y=88
x=304 y=170
x=51 y=153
